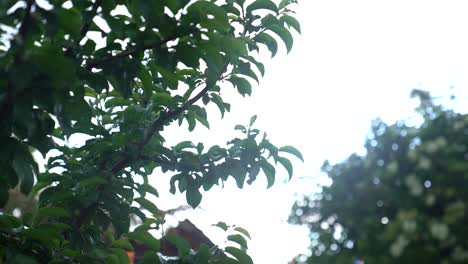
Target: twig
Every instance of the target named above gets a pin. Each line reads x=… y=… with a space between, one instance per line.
x=85 y=27
x=94 y=63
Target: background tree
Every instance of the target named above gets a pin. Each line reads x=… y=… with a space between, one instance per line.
x=160 y=61
x=404 y=201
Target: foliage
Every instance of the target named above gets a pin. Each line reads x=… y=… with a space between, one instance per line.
x=402 y=202
x=161 y=61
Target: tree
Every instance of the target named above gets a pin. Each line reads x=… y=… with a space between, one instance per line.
x=161 y=61
x=404 y=201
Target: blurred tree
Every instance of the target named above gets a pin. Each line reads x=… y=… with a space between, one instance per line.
x=404 y=201
x=158 y=61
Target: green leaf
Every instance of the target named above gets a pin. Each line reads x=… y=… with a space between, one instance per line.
x=203 y=254
x=116 y=101
x=146 y=238
x=287 y=165
x=122 y=243
x=177 y=5
x=164 y=99
x=189 y=55
x=121 y=255
x=259 y=65
x=147 y=205
x=51 y=212
x=199 y=12
x=184 y=145
x=243 y=86
x=193 y=195
x=252 y=120
x=262 y=4
x=270 y=172
x=22 y=259
x=23 y=168
x=240 y=128
x=292 y=22
x=284 y=3
x=148 y=188
x=9 y=222
x=239 y=240
x=219 y=102
x=292 y=150
x=44 y=235
x=243 y=231
x=70 y=20
x=284 y=34
x=4 y=195
x=239 y=255
x=146 y=80
x=222 y=225
x=201 y=116
x=244 y=68
x=182 y=245
x=269 y=41
x=151 y=258
x=92 y=182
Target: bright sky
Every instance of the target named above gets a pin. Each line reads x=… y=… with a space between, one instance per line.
x=355 y=61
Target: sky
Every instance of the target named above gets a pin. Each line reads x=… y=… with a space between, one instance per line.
x=354 y=62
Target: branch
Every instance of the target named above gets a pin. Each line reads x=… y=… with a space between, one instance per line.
x=167 y=163
x=25 y=25
x=84 y=29
x=94 y=63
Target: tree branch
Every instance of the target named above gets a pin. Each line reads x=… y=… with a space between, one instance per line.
x=93 y=63
x=85 y=27
x=25 y=25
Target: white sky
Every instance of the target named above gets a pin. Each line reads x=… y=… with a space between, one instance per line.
x=355 y=61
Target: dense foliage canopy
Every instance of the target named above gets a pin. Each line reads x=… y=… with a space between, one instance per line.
x=160 y=61
x=404 y=201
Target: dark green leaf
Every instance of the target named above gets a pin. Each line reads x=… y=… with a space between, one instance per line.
x=239 y=255
x=292 y=22
x=243 y=231
x=252 y=120
x=24 y=170
x=269 y=171
x=151 y=207
x=292 y=150
x=239 y=240
x=151 y=258
x=146 y=238
x=148 y=188
x=122 y=243
x=262 y=4
x=193 y=195
x=269 y=41
x=9 y=222
x=222 y=225
x=52 y=212
x=182 y=245
x=287 y=165
x=183 y=145
x=243 y=86
x=284 y=34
